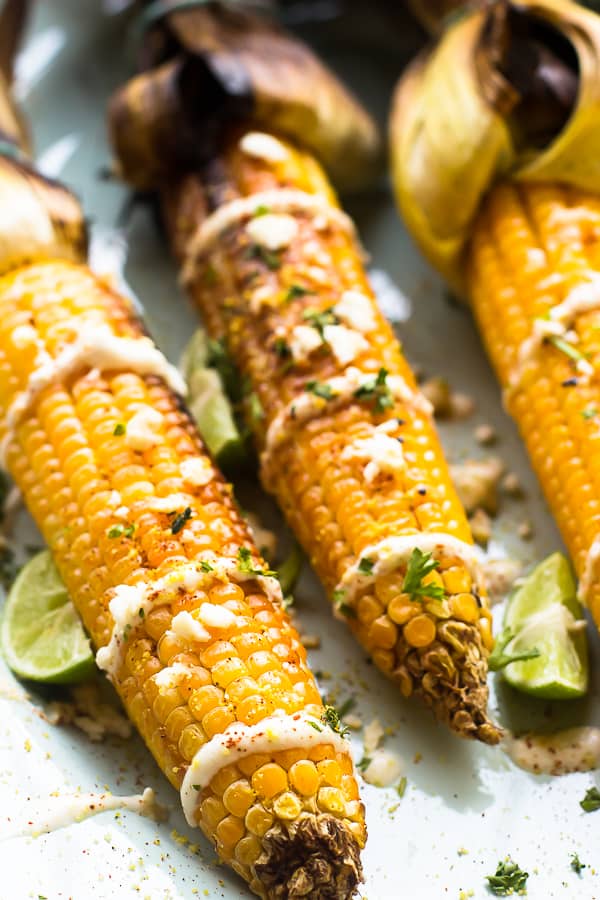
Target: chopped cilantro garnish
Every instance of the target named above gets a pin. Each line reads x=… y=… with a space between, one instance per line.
x=206 y=566
x=401 y=786
x=117 y=531
x=365 y=566
x=591 y=801
x=261 y=210
x=508 y=879
x=589 y=412
x=282 y=348
x=268 y=257
x=180 y=519
x=376 y=390
x=565 y=347
x=290 y=569
x=320 y=389
x=196 y=787
x=331 y=717
x=294 y=291
x=576 y=863
x=320 y=318
x=219 y=359
x=119 y=429
x=498 y=659
x=419 y=565
x=364 y=763
x=246 y=564
x=314 y=725
x=347 y=610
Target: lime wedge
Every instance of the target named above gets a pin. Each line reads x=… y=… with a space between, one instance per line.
x=42 y=638
x=544 y=615
x=209 y=405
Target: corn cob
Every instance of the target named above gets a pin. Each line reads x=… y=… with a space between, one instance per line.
x=358 y=520
x=533 y=264
x=132 y=508
x=523 y=246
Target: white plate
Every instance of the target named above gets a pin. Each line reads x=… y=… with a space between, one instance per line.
x=460 y=796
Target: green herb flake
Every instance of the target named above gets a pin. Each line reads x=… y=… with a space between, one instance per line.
x=591 y=801
x=117 y=531
x=180 y=519
x=142 y=612
x=589 y=413
x=268 y=257
x=376 y=391
x=576 y=863
x=197 y=787
x=331 y=717
x=364 y=763
x=255 y=410
x=401 y=786
x=320 y=389
x=314 y=725
x=365 y=565
x=247 y=567
x=210 y=277
x=120 y=429
x=206 y=566
x=498 y=659
x=508 y=879
x=319 y=319
x=261 y=210
x=565 y=347
x=294 y=291
x=346 y=610
x=282 y=348
x=419 y=565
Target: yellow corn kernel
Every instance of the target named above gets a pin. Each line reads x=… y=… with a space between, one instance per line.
x=217 y=720
x=227 y=670
x=304 y=777
x=368 y=609
x=205 y=699
x=248 y=850
x=465 y=608
x=269 y=780
x=224 y=777
x=249 y=764
x=287 y=806
x=238 y=798
x=420 y=631
x=258 y=820
x=192 y=738
x=331 y=800
x=383 y=633
x=330 y=772
x=401 y=609
x=457 y=580
x=229 y=831
x=212 y=811
x=388 y=586
x=253 y=709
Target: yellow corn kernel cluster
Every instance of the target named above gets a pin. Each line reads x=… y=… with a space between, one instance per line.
x=96 y=500
x=437 y=650
x=533 y=245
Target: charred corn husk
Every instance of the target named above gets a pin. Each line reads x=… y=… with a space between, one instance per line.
x=525 y=246
x=346 y=441
x=187 y=622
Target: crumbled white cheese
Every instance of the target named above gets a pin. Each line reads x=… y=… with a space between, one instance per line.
x=263 y=146
x=274 y=231
x=356 y=309
x=187 y=628
x=215 y=616
x=23 y=335
x=345 y=344
x=383 y=454
x=171 y=675
x=172 y=503
x=195 y=471
x=383 y=770
x=373 y=736
x=536 y=256
x=262 y=297
x=143 y=429
x=304 y=340
x=476 y=483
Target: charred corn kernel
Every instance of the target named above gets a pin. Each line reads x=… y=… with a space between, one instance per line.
x=331 y=799
x=383 y=633
x=287 y=806
x=420 y=631
x=258 y=820
x=457 y=580
x=229 y=831
x=212 y=811
x=248 y=850
x=335 y=510
x=269 y=780
x=538 y=244
x=329 y=772
x=401 y=609
x=238 y=798
x=304 y=777
x=465 y=608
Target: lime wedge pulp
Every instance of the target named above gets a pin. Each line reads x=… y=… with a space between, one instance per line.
x=544 y=614
x=42 y=638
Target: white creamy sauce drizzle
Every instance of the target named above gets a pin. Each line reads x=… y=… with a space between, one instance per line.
x=263 y=146
x=589 y=571
x=389 y=553
x=571 y=750
x=130 y=604
x=277 y=200
x=50 y=813
x=585 y=297
x=95 y=347
x=277 y=732
x=308 y=406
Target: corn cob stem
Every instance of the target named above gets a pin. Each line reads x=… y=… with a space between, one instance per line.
x=163 y=571
x=533 y=274
x=269 y=280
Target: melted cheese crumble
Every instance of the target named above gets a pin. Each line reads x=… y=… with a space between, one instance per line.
x=143 y=429
x=195 y=471
x=382 y=454
x=274 y=231
x=303 y=340
x=345 y=343
x=356 y=310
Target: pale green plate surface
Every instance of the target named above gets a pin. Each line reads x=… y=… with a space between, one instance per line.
x=459 y=795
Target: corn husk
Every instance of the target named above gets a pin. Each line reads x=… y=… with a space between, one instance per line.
x=455 y=127
x=209 y=65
